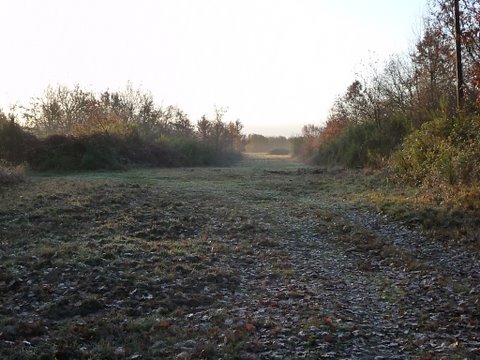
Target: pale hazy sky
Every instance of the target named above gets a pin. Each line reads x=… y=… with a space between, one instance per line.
x=276 y=64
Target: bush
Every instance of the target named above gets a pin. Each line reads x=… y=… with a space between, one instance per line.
x=117 y=148
x=189 y=151
x=366 y=144
x=264 y=144
x=442 y=151
x=97 y=151
x=56 y=152
x=14 y=141
x=226 y=157
x=279 y=152
x=297 y=147
x=192 y=152
x=112 y=152
x=10 y=174
x=136 y=151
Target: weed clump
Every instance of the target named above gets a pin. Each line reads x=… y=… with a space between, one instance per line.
x=10 y=174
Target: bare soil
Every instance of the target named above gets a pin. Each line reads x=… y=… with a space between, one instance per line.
x=267 y=260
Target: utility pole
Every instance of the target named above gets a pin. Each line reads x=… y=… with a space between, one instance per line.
x=458 y=45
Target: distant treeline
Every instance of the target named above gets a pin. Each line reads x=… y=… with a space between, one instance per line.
x=74 y=129
x=267 y=144
x=403 y=115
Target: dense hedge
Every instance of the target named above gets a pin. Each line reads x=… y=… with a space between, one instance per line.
x=279 y=152
x=366 y=144
x=96 y=151
x=103 y=151
x=74 y=129
x=192 y=152
x=15 y=143
x=443 y=151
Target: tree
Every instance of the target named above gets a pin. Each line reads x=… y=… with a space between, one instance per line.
x=59 y=110
x=311 y=138
x=177 y=122
x=443 y=19
x=204 y=129
x=398 y=85
x=219 y=134
x=434 y=72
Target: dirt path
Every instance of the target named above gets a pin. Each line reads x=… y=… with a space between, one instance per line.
x=267 y=260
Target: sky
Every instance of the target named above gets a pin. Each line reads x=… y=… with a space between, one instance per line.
x=274 y=64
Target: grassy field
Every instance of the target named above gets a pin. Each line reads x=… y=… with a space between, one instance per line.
x=268 y=259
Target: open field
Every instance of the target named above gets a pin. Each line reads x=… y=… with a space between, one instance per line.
x=271 y=259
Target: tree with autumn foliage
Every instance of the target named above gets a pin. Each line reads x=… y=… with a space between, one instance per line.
x=434 y=77
x=410 y=94
x=74 y=129
x=442 y=19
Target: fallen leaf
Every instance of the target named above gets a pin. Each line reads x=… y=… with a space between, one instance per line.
x=164 y=324
x=328 y=321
